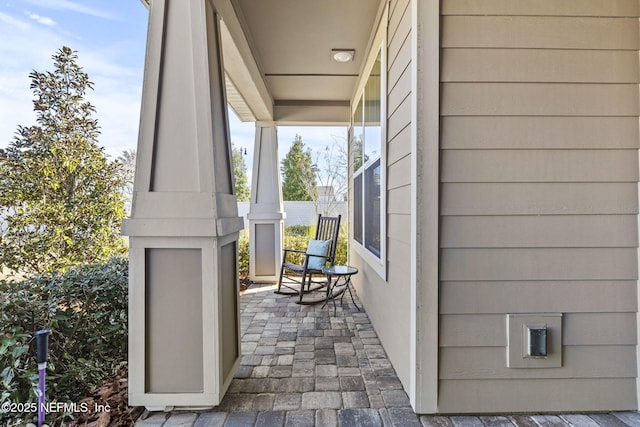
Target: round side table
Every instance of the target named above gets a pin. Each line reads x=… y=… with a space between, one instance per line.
x=339 y=277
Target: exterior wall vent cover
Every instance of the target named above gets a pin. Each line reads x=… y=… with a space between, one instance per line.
x=534 y=340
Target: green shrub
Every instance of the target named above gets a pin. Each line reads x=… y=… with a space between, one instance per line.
x=297 y=237
x=297 y=242
x=86 y=311
x=299 y=230
x=243 y=254
x=342 y=251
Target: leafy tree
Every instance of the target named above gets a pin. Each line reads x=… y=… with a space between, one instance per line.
x=332 y=175
x=61 y=196
x=243 y=192
x=128 y=170
x=298 y=173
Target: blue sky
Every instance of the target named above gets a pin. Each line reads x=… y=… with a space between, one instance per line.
x=110 y=38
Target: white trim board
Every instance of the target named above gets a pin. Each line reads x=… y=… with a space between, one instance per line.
x=425 y=146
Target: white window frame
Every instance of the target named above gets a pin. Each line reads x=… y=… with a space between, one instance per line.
x=379 y=45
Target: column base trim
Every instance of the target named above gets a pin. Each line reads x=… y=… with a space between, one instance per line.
x=264 y=279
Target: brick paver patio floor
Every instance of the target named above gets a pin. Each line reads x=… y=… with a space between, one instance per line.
x=303 y=366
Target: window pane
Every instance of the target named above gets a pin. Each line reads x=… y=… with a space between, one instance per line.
x=357 y=137
x=372 y=114
x=372 y=224
x=357 y=208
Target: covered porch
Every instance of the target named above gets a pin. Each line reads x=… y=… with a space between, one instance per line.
x=275 y=63
x=480 y=204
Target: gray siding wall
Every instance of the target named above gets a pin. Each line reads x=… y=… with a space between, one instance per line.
x=388 y=302
x=539 y=200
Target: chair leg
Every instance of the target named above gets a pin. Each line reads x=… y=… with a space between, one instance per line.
x=281 y=274
x=304 y=276
x=351 y=294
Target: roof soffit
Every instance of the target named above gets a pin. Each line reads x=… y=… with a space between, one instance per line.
x=291 y=41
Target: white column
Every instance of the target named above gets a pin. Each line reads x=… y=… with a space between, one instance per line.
x=184 y=335
x=266 y=213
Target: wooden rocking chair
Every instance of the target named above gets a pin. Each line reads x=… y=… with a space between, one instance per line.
x=320 y=253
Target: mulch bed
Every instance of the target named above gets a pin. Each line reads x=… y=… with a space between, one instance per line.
x=108 y=406
x=244 y=284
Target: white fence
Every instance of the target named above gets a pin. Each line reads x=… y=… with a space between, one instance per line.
x=301 y=213
x=298 y=213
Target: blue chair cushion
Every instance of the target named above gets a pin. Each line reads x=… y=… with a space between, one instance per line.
x=317 y=247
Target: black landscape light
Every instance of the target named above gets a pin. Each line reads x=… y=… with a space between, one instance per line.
x=42 y=354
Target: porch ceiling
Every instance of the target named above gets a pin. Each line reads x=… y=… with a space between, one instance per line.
x=289 y=44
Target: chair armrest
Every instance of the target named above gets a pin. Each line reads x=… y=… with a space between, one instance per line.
x=286 y=252
x=319 y=256
x=294 y=250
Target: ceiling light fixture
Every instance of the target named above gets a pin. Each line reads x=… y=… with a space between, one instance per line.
x=342 y=55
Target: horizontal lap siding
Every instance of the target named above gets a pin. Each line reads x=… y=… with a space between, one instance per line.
x=581 y=330
x=382 y=297
x=543 y=99
x=539 y=166
x=398 y=150
x=539 y=200
x=595 y=8
x=568 y=296
x=540 y=32
x=583 y=394
x=539 y=264
x=540 y=65
x=541 y=132
x=533 y=231
x=613 y=362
